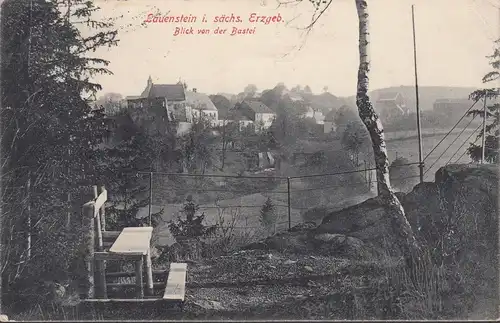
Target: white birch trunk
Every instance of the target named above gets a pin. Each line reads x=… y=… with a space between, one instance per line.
x=372 y=122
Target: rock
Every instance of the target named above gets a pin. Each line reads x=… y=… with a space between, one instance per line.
x=342 y=245
x=315 y=215
x=4 y=318
x=303 y=226
x=290 y=241
x=458 y=215
x=331 y=237
x=308 y=268
x=209 y=305
x=368 y=223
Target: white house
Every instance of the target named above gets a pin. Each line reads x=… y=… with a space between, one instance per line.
x=199 y=105
x=260 y=114
x=318 y=116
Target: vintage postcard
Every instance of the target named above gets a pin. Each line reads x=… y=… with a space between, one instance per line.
x=249 y=159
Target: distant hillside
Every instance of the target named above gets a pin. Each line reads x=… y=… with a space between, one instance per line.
x=427 y=94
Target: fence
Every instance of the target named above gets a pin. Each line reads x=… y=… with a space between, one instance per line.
x=240 y=204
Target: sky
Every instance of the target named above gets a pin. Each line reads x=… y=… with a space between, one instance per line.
x=453 y=39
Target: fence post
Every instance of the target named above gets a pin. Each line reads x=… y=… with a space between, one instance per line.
x=289 y=206
x=28 y=211
x=150 y=196
x=88 y=255
x=102 y=188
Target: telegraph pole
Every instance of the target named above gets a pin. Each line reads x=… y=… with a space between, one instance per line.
x=420 y=162
x=483 y=139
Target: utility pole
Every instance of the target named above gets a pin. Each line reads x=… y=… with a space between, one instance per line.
x=420 y=162
x=483 y=139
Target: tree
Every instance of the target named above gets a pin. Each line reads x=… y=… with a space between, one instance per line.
x=355 y=138
x=130 y=150
x=228 y=131
x=343 y=116
x=192 y=226
x=374 y=126
x=492 y=114
x=50 y=133
x=111 y=103
x=196 y=147
x=376 y=130
x=403 y=174
x=268 y=215
x=250 y=90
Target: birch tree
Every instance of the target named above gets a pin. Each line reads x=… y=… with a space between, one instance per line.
x=374 y=126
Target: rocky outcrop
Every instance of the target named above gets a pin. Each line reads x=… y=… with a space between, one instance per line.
x=463 y=198
x=462 y=203
x=370 y=222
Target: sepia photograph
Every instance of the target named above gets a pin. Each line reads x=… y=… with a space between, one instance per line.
x=249 y=160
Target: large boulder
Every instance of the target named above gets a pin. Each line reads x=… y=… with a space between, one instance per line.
x=456 y=218
x=462 y=205
x=306 y=239
x=370 y=222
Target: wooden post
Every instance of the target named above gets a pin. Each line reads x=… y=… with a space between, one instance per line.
x=28 y=211
x=98 y=222
x=289 y=203
x=149 y=273
x=103 y=211
x=483 y=139
x=150 y=197
x=419 y=130
x=100 y=265
x=138 y=278
x=89 y=240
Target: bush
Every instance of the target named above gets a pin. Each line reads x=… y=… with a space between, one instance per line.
x=268 y=215
x=192 y=226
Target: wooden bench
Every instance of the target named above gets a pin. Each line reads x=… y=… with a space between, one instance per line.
x=176 y=282
x=131 y=244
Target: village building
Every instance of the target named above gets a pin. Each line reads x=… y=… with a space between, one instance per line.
x=257 y=112
x=449 y=107
x=391 y=106
x=317 y=116
x=201 y=107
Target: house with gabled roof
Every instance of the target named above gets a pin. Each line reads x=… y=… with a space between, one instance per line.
x=448 y=107
x=236 y=115
x=391 y=105
x=259 y=113
x=158 y=104
x=201 y=106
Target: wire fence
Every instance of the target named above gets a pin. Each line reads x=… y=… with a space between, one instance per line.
x=238 y=203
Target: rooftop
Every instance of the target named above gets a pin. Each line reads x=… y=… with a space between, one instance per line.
x=173 y=92
x=257 y=106
x=200 y=101
x=388 y=96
